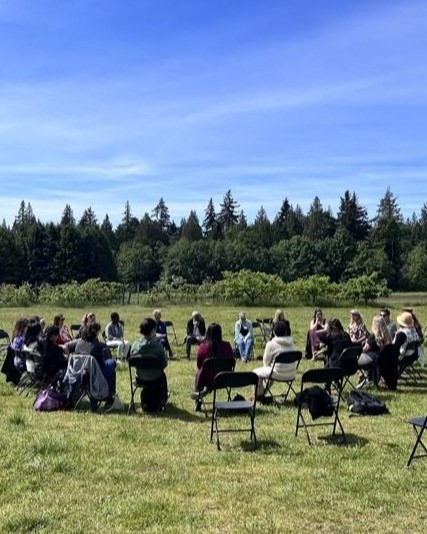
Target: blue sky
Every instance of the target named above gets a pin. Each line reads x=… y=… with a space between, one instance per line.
x=104 y=101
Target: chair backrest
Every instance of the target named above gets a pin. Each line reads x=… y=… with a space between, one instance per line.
x=145 y=362
x=168 y=323
x=4 y=335
x=235 y=379
x=348 y=360
x=74 y=329
x=289 y=357
x=323 y=376
x=218 y=365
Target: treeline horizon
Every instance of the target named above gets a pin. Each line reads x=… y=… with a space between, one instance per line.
x=293 y=245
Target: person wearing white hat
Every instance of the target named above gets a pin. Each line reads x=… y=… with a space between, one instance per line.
x=406 y=339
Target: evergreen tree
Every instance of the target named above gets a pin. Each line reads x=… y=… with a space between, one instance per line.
x=319 y=223
x=261 y=230
x=242 y=222
x=21 y=218
x=126 y=230
x=211 y=226
x=88 y=218
x=280 y=223
x=67 y=216
x=190 y=228
x=107 y=230
x=227 y=216
x=161 y=215
x=352 y=217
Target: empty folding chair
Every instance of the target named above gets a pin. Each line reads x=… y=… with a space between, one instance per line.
x=228 y=381
x=318 y=401
x=419 y=424
x=171 y=332
x=283 y=370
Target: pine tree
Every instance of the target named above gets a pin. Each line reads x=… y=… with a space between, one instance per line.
x=190 y=228
x=67 y=216
x=227 y=216
x=88 y=218
x=352 y=217
x=161 y=215
x=210 y=225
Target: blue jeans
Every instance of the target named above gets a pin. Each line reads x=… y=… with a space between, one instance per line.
x=109 y=372
x=245 y=347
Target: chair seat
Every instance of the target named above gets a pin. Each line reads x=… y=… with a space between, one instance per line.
x=418 y=421
x=234 y=406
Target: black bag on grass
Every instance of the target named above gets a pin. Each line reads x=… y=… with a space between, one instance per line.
x=154 y=396
x=362 y=403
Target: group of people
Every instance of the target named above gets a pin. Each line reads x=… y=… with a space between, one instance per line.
x=328 y=339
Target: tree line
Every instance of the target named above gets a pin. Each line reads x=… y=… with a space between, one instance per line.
x=155 y=250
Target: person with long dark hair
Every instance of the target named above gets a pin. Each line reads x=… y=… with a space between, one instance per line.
x=212 y=347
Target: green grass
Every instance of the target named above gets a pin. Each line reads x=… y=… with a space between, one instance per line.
x=83 y=472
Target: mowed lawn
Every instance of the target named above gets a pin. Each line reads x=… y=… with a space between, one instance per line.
x=82 y=472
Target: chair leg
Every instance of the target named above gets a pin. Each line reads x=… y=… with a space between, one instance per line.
x=418 y=441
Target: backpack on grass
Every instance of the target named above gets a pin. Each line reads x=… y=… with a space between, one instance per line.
x=362 y=403
x=48 y=400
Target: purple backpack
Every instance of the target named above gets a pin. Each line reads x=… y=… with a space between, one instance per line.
x=48 y=400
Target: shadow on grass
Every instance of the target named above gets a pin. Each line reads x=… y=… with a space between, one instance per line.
x=171 y=412
x=351 y=440
x=264 y=446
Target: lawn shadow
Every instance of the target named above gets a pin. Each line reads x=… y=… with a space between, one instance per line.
x=265 y=446
x=351 y=440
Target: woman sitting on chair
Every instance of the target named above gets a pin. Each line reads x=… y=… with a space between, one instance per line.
x=90 y=344
x=357 y=329
x=52 y=359
x=371 y=349
x=212 y=347
x=244 y=337
x=281 y=342
x=316 y=336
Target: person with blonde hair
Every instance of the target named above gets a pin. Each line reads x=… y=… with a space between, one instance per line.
x=357 y=329
x=244 y=337
x=196 y=332
x=371 y=349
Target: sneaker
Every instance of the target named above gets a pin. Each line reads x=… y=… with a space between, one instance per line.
x=115 y=405
x=198 y=394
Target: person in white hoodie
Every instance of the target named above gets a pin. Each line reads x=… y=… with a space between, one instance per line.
x=281 y=342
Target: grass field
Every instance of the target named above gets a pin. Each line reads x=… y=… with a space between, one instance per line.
x=82 y=472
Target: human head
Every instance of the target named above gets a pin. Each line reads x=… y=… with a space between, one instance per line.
x=89 y=318
x=417 y=323
x=52 y=334
x=318 y=313
x=335 y=326
x=214 y=332
x=282 y=329
x=242 y=316
x=157 y=314
x=115 y=317
x=148 y=327
x=356 y=316
x=58 y=320
x=279 y=316
x=20 y=326
x=91 y=331
x=405 y=320
x=33 y=331
x=380 y=330
x=385 y=314
x=196 y=316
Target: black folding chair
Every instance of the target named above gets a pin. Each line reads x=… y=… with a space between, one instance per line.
x=146 y=363
x=211 y=367
x=419 y=424
x=74 y=330
x=171 y=332
x=407 y=363
x=348 y=362
x=266 y=327
x=29 y=379
x=325 y=406
x=228 y=381
x=4 y=343
x=291 y=360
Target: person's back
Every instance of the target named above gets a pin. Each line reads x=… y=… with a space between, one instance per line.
x=149 y=345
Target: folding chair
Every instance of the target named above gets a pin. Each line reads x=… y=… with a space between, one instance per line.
x=74 y=330
x=407 y=363
x=418 y=424
x=227 y=381
x=292 y=360
x=170 y=328
x=29 y=380
x=84 y=378
x=4 y=343
x=210 y=368
x=329 y=407
x=348 y=362
x=266 y=327
x=146 y=363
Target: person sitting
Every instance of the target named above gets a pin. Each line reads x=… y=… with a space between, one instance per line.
x=357 y=329
x=33 y=336
x=64 y=333
x=279 y=317
x=391 y=325
x=244 y=337
x=196 y=331
x=316 y=336
x=90 y=344
x=371 y=349
x=17 y=344
x=161 y=333
x=114 y=335
x=52 y=359
x=213 y=346
x=281 y=342
x=149 y=345
x=88 y=318
x=406 y=340
x=336 y=341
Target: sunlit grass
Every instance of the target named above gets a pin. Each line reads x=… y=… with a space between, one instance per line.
x=84 y=472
